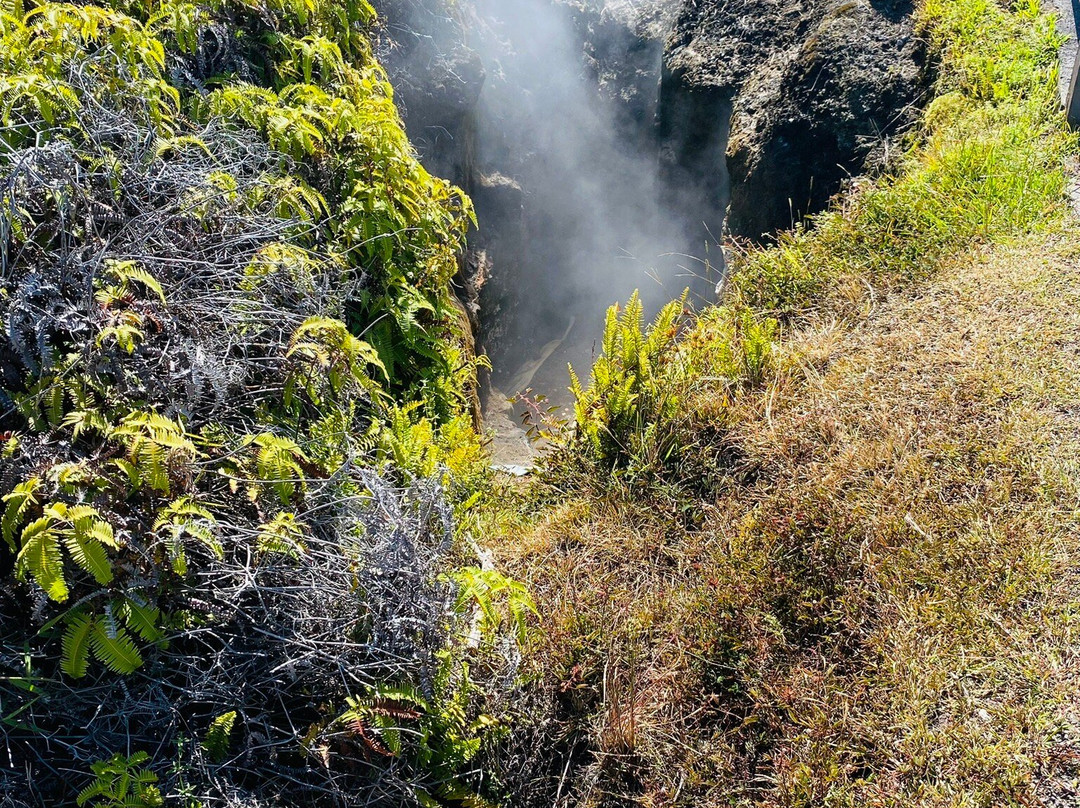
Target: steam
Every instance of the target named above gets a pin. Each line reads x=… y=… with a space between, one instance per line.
x=604 y=212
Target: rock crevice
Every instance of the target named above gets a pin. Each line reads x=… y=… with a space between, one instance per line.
x=589 y=129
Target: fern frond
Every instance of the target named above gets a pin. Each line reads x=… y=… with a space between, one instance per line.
x=126 y=272
x=219 y=736
x=89 y=554
x=75 y=658
x=40 y=557
x=142 y=619
x=184 y=516
x=16 y=506
x=182 y=509
x=278 y=463
x=114 y=649
x=283 y=535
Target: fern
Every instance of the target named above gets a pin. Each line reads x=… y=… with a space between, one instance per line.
x=186 y=518
x=125 y=331
x=219 y=736
x=75 y=656
x=83 y=422
x=377 y=719
x=125 y=273
x=73 y=478
x=283 y=536
x=291 y=199
x=17 y=505
x=141 y=618
x=40 y=557
x=278 y=465
x=486 y=589
x=10 y=447
x=122 y=782
x=328 y=346
x=624 y=418
x=103 y=638
x=114 y=648
x=153 y=443
x=80 y=529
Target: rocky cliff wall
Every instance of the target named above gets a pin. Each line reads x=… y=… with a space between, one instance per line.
x=818 y=87
x=676 y=111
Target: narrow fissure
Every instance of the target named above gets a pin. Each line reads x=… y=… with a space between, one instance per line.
x=594 y=173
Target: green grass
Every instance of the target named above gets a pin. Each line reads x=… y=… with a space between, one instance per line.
x=840 y=577
x=986 y=164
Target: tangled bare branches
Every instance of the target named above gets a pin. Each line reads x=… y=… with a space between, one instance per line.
x=276 y=641
x=276 y=638
x=196 y=212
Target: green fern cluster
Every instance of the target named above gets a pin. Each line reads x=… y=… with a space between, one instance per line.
x=642 y=410
x=325 y=101
x=452 y=451
x=436 y=736
x=122 y=782
x=623 y=416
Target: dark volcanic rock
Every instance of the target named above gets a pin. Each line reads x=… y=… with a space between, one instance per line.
x=810 y=89
x=437 y=82
x=816 y=86
x=601 y=137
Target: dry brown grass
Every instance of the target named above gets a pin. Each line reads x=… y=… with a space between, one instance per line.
x=877 y=605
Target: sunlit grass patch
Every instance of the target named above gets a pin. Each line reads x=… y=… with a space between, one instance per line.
x=986 y=164
x=834 y=569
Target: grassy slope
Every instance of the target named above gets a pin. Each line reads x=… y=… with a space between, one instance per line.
x=875 y=603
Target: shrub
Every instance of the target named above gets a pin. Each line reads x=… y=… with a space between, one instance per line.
x=196 y=368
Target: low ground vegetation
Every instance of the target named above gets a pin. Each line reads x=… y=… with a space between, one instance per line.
x=813 y=546
x=817 y=546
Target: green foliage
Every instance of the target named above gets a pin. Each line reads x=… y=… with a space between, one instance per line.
x=184 y=520
x=155 y=447
x=623 y=416
x=278 y=465
x=219 y=736
x=731 y=346
x=655 y=390
x=412 y=443
x=498 y=599
x=329 y=359
x=338 y=344
x=108 y=637
x=325 y=101
x=987 y=165
x=122 y=782
x=127 y=273
x=282 y=536
x=17 y=505
x=129 y=63
x=79 y=529
x=436 y=736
